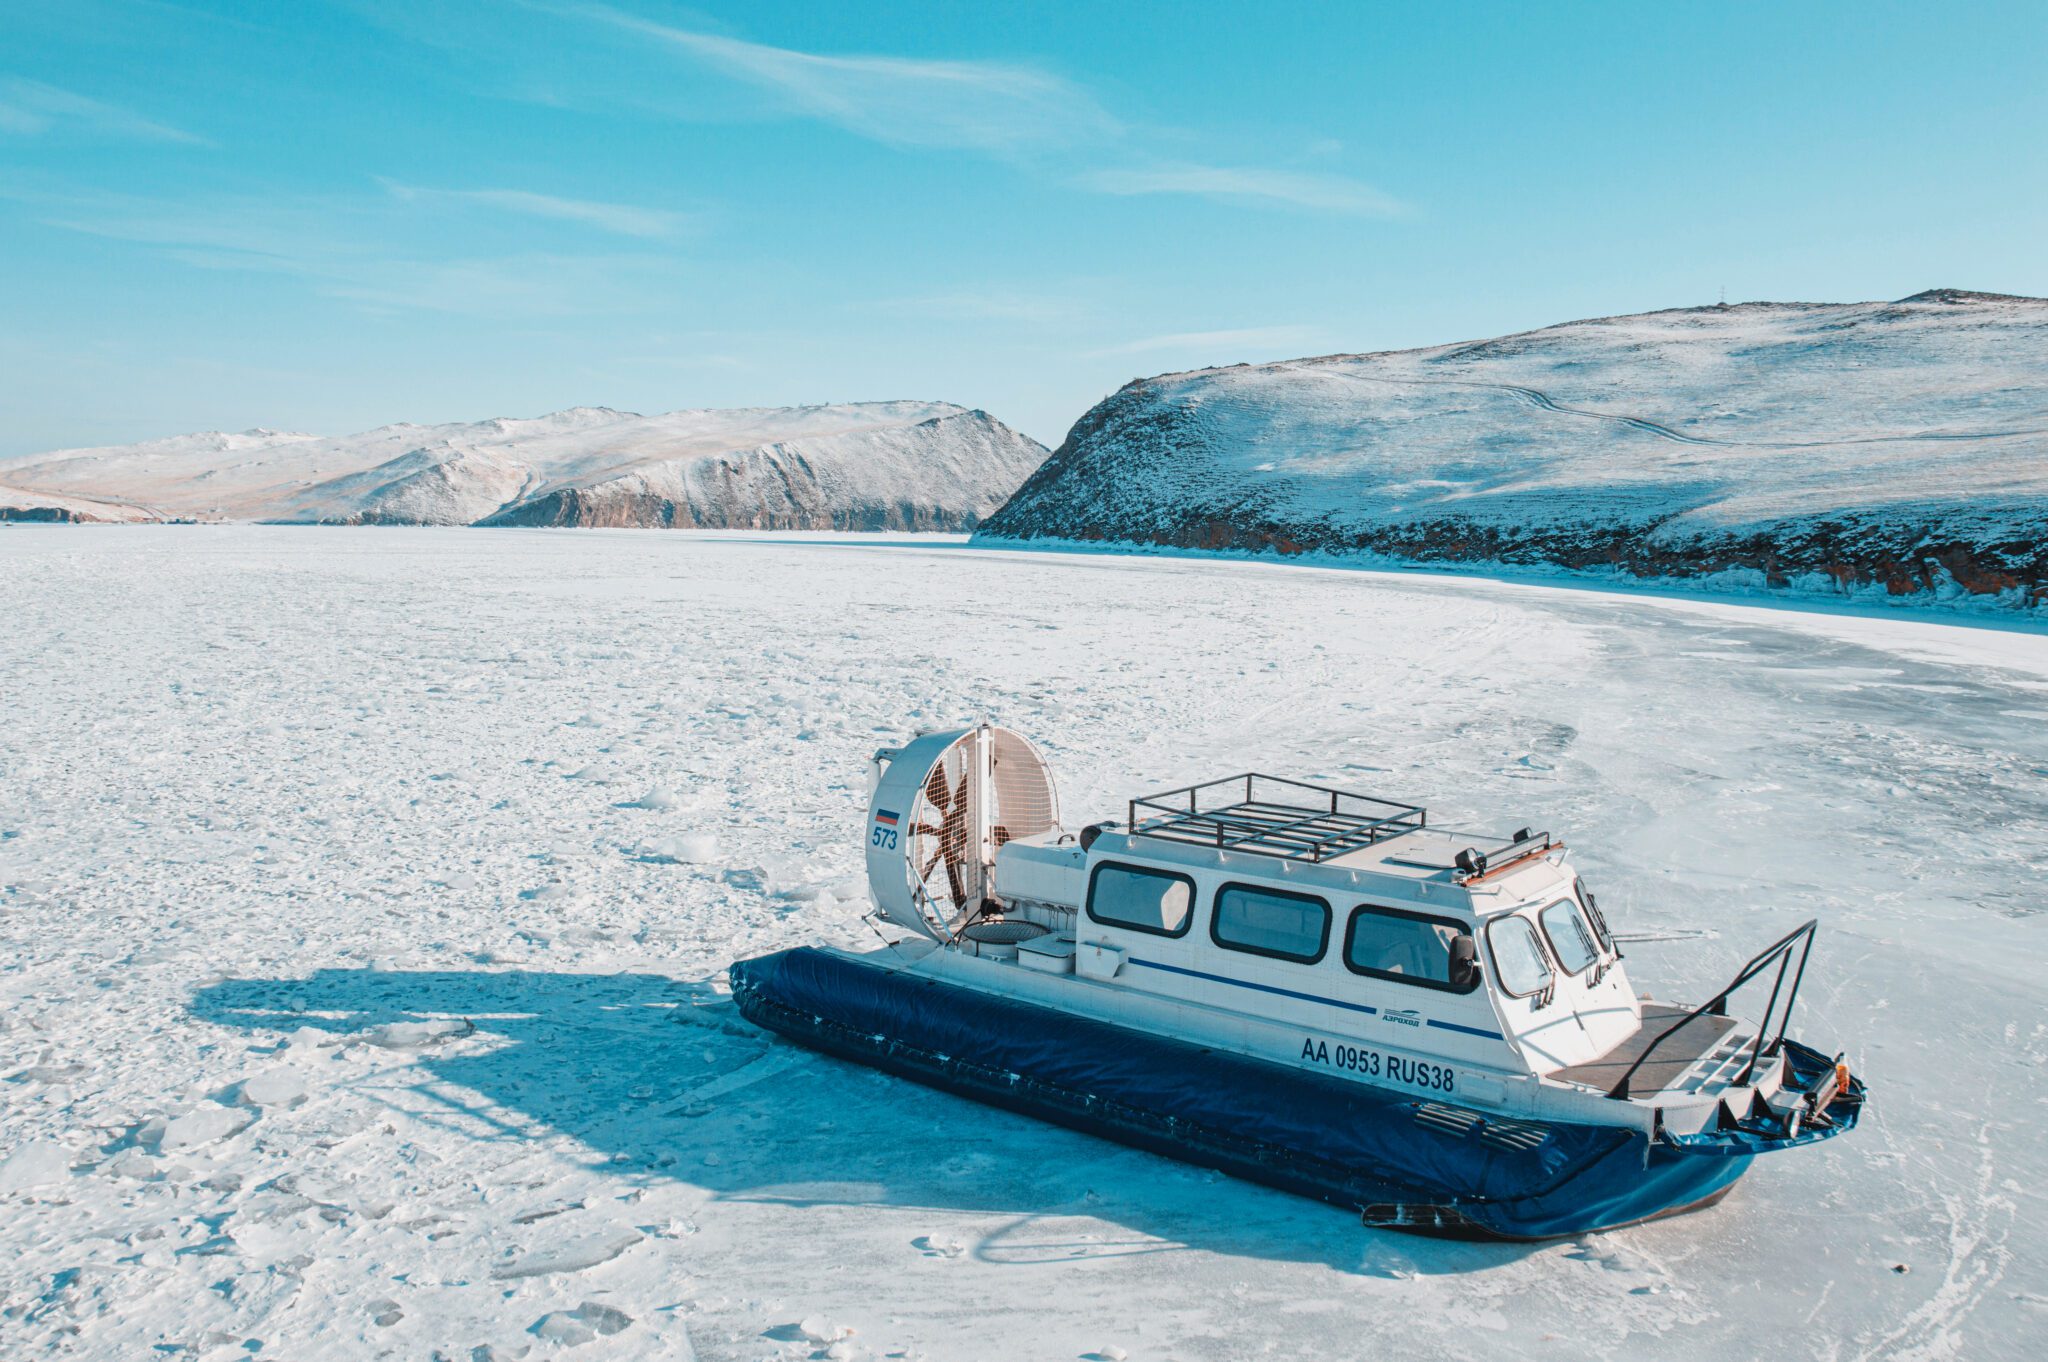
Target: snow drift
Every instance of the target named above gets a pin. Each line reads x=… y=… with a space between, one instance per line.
x=858 y=466
x=1900 y=448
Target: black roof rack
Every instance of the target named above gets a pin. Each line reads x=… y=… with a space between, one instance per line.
x=1272 y=816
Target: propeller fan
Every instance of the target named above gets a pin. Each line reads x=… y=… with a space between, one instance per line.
x=939 y=809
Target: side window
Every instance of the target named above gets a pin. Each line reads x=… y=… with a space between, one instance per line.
x=1144 y=900
x=1413 y=948
x=1517 y=958
x=1571 y=940
x=1270 y=922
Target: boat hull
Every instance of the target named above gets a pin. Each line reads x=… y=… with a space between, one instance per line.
x=1396 y=1158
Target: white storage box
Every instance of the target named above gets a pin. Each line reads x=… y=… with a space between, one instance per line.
x=1049 y=954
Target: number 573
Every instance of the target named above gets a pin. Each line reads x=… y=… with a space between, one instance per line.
x=884 y=838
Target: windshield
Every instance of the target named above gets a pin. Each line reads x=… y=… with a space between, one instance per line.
x=1517 y=958
x=1593 y=911
x=1571 y=940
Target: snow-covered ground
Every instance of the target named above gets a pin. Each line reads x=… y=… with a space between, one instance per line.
x=365 y=900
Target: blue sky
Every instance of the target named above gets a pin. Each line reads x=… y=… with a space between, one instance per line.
x=327 y=216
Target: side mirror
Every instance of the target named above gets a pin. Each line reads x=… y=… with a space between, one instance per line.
x=1464 y=962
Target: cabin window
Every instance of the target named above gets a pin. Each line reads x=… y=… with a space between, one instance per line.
x=1571 y=940
x=1156 y=901
x=1517 y=956
x=1411 y=948
x=1270 y=922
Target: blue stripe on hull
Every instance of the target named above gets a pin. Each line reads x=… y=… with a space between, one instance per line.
x=1246 y=983
x=1345 y=1143
x=1366 y=1008
x=1463 y=1030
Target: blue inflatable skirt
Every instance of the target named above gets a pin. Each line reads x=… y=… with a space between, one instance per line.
x=1395 y=1158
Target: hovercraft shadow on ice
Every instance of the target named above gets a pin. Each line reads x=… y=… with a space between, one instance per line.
x=1311 y=989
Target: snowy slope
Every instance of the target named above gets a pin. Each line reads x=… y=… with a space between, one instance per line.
x=362 y=985
x=946 y=471
x=876 y=465
x=1899 y=444
x=18 y=503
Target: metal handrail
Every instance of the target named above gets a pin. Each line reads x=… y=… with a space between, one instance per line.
x=1781 y=951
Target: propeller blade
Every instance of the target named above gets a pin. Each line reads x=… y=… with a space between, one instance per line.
x=955 y=843
x=954 y=881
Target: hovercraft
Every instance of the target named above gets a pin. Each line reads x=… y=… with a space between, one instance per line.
x=1313 y=989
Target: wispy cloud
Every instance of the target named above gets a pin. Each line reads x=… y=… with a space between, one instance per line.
x=30 y=108
x=908 y=101
x=618 y=218
x=1046 y=121
x=526 y=285
x=1252 y=184
x=353 y=248
x=1255 y=338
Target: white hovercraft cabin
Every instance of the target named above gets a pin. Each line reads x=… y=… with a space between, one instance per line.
x=1471 y=977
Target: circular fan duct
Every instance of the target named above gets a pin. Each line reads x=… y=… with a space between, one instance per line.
x=941 y=806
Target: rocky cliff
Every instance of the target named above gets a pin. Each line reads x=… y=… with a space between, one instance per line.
x=1888 y=448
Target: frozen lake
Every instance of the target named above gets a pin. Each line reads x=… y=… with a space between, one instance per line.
x=366 y=896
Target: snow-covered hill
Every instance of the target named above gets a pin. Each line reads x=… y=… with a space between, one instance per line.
x=1899 y=448
x=871 y=466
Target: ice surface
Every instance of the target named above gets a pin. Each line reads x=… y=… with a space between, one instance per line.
x=822 y=1330
x=202 y=1125
x=267 y=792
x=34 y=1164
x=413 y=1035
x=566 y=1251
x=275 y=1088
x=585 y=1324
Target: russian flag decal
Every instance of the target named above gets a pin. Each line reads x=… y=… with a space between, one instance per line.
x=885 y=818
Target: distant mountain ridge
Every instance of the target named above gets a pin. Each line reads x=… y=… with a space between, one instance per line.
x=1899 y=448
x=852 y=466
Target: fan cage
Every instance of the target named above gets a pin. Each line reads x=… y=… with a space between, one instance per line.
x=1004 y=932
x=1025 y=803
x=947 y=861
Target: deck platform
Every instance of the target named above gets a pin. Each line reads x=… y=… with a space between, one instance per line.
x=1669 y=1064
